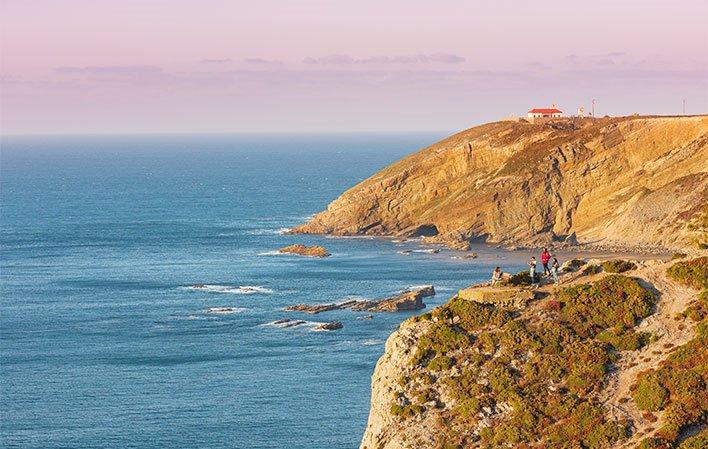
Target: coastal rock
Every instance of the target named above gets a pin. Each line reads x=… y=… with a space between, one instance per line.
x=286 y=322
x=407 y=300
x=498 y=296
x=307 y=251
x=528 y=184
x=331 y=326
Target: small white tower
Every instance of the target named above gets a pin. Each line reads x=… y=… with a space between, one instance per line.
x=581 y=112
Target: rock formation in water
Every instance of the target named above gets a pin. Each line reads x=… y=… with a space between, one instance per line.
x=605 y=361
x=307 y=251
x=638 y=182
x=408 y=300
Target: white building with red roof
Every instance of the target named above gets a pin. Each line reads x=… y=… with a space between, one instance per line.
x=545 y=113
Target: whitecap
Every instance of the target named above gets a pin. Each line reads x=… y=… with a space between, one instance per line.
x=296 y=324
x=414 y=288
x=240 y=290
x=268 y=231
x=225 y=310
x=371 y=342
x=272 y=253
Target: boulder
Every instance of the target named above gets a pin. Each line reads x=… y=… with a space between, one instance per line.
x=307 y=251
x=331 y=326
x=497 y=296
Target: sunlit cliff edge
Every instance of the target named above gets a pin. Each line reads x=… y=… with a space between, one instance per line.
x=626 y=182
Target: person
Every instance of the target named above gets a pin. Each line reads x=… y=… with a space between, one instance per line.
x=545 y=258
x=555 y=266
x=496 y=276
x=532 y=271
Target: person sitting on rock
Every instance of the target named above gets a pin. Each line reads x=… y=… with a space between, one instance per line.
x=496 y=276
x=532 y=272
x=545 y=258
x=554 y=271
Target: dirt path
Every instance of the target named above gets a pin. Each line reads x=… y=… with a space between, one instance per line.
x=673 y=299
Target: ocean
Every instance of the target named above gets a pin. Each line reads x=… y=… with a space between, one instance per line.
x=104 y=345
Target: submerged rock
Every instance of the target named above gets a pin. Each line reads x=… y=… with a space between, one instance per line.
x=307 y=251
x=287 y=322
x=407 y=300
x=331 y=326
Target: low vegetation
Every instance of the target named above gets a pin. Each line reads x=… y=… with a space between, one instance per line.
x=612 y=305
x=618 y=266
x=677 y=388
x=693 y=273
x=591 y=269
x=519 y=381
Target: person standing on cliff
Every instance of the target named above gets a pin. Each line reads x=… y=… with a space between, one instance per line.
x=545 y=258
x=496 y=276
x=532 y=272
x=555 y=266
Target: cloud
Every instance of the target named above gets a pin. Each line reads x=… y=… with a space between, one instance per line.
x=434 y=58
x=215 y=61
x=261 y=61
x=111 y=70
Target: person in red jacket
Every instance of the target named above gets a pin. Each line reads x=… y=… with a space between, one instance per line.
x=545 y=258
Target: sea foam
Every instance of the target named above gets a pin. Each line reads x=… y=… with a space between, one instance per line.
x=234 y=290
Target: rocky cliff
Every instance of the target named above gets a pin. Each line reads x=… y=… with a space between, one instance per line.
x=606 y=361
x=629 y=181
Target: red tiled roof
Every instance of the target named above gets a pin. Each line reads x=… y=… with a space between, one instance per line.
x=545 y=111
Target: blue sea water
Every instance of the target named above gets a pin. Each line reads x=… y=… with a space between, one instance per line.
x=103 y=344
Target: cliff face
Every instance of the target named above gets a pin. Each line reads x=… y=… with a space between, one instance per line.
x=637 y=181
x=604 y=362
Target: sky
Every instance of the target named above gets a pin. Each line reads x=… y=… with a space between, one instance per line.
x=164 y=66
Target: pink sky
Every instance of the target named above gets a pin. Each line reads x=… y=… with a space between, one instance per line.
x=80 y=66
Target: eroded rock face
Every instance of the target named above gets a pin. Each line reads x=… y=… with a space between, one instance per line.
x=624 y=182
x=307 y=251
x=408 y=300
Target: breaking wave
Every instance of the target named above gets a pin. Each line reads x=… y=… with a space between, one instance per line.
x=234 y=290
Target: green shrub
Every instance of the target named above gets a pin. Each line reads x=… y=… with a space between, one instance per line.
x=591 y=269
x=612 y=302
x=472 y=315
x=406 y=411
x=649 y=394
x=678 y=386
x=624 y=339
x=440 y=363
x=522 y=278
x=693 y=273
x=652 y=443
x=575 y=264
x=699 y=441
x=618 y=266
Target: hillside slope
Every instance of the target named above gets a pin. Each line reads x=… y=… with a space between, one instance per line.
x=632 y=181
x=606 y=361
